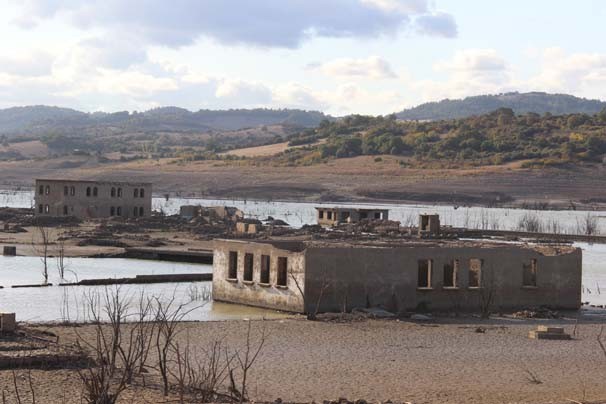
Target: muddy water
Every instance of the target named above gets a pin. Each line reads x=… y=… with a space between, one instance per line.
x=57 y=303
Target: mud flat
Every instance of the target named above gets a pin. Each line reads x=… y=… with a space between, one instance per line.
x=443 y=362
x=358 y=179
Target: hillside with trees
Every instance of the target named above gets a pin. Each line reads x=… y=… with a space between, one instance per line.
x=495 y=138
x=520 y=103
x=40 y=119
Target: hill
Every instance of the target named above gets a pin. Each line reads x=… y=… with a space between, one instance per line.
x=40 y=119
x=520 y=103
x=496 y=138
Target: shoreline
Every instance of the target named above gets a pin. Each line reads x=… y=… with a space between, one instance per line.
x=528 y=204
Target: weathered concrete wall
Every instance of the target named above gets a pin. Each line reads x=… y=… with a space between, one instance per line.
x=361 y=277
x=288 y=298
x=53 y=201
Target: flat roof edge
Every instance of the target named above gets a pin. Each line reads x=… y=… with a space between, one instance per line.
x=93 y=181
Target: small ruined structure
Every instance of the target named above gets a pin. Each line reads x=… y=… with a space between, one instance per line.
x=429 y=225
x=334 y=216
x=249 y=226
x=211 y=213
x=92 y=199
x=338 y=275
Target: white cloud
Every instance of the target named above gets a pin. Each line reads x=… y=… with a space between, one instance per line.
x=581 y=73
x=484 y=71
x=437 y=24
x=404 y=7
x=113 y=51
x=473 y=61
x=372 y=67
x=244 y=93
x=295 y=95
x=267 y=23
x=32 y=64
x=468 y=72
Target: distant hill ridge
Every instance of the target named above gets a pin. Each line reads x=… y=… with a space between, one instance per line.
x=41 y=118
x=520 y=103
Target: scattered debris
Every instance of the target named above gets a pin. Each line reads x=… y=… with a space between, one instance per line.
x=375 y=312
x=30 y=348
x=421 y=317
x=541 y=312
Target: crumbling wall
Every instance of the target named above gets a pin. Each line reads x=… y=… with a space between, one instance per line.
x=256 y=292
x=388 y=277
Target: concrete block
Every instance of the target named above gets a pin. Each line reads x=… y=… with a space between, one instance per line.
x=554 y=330
x=8 y=322
x=548 y=335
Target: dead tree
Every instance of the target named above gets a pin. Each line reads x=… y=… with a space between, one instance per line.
x=325 y=284
x=168 y=317
x=486 y=292
x=245 y=359
x=104 y=382
x=42 y=248
x=60 y=258
x=588 y=225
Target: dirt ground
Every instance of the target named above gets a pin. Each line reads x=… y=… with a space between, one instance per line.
x=442 y=362
x=353 y=179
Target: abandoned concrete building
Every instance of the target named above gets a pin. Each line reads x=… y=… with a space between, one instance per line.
x=334 y=275
x=92 y=199
x=334 y=216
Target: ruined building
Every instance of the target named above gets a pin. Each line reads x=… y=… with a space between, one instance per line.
x=429 y=225
x=337 y=275
x=334 y=216
x=92 y=199
x=211 y=213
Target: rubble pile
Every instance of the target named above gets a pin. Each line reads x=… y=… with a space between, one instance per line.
x=541 y=312
x=383 y=227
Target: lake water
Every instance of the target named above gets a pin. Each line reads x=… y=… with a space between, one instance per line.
x=60 y=303
x=298 y=214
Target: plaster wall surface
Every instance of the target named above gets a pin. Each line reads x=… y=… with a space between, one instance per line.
x=254 y=292
x=388 y=277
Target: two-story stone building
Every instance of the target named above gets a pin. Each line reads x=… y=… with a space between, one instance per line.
x=92 y=199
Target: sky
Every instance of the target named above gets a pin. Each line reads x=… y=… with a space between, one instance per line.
x=337 y=56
